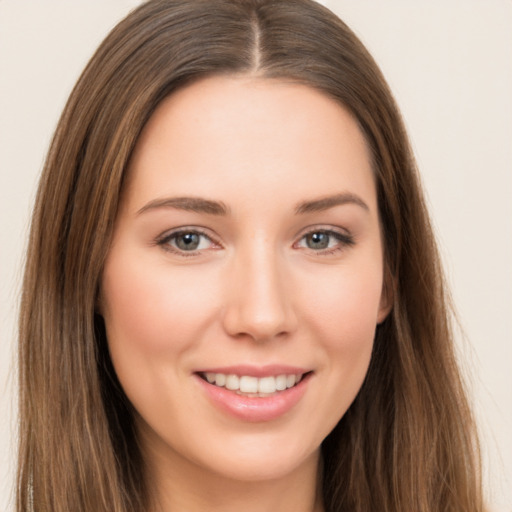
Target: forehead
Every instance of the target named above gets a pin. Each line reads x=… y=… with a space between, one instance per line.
x=250 y=135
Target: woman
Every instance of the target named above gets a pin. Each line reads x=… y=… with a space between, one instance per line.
x=240 y=302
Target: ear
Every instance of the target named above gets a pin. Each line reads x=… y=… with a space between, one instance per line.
x=387 y=296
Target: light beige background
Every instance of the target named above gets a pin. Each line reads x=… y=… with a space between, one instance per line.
x=450 y=66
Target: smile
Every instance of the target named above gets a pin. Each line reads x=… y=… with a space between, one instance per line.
x=247 y=397
x=253 y=386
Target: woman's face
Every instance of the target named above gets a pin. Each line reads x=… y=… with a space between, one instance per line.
x=244 y=283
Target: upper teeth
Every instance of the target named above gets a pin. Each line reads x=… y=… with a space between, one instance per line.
x=249 y=384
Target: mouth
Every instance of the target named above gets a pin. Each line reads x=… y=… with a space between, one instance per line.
x=255 y=394
x=251 y=386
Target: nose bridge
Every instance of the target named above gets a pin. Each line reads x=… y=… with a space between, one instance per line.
x=259 y=304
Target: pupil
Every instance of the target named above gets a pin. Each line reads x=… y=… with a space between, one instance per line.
x=318 y=241
x=188 y=241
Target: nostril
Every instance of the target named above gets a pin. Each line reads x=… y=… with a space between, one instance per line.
x=243 y=324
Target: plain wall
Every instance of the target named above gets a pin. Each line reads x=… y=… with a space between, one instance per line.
x=449 y=64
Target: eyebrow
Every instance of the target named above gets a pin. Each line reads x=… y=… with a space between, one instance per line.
x=201 y=205
x=190 y=204
x=324 y=203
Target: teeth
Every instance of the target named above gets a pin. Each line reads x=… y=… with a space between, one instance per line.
x=267 y=385
x=253 y=385
x=290 y=381
x=232 y=382
x=281 y=382
x=248 y=384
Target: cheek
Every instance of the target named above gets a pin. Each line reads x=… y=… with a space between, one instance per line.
x=342 y=312
x=349 y=322
x=344 y=303
x=151 y=308
x=153 y=318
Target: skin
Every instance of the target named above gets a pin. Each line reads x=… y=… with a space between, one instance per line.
x=256 y=291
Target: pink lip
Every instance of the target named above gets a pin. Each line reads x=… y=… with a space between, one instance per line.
x=255 y=409
x=272 y=370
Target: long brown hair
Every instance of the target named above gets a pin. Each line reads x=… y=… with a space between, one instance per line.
x=407 y=442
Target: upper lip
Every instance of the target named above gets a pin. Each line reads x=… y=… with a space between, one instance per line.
x=271 y=370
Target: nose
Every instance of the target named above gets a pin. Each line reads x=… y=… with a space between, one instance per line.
x=259 y=303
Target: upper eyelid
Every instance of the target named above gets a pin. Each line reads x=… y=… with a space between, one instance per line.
x=185 y=229
x=335 y=234
x=324 y=229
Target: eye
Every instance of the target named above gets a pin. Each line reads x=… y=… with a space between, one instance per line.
x=325 y=241
x=318 y=240
x=184 y=241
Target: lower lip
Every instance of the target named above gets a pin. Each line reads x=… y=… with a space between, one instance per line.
x=255 y=409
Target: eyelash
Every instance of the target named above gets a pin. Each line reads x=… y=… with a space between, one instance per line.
x=165 y=241
x=345 y=240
